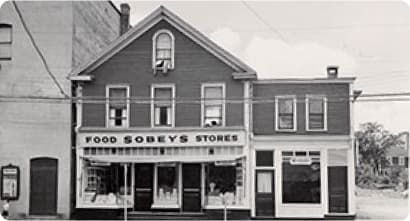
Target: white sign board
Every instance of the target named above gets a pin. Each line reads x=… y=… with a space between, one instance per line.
x=162 y=139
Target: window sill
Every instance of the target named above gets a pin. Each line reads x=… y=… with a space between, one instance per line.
x=238 y=207
x=316 y=130
x=286 y=130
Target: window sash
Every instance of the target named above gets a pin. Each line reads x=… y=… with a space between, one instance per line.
x=117 y=106
x=163 y=115
x=213 y=105
x=316 y=113
x=285 y=113
x=5 y=50
x=163 y=106
x=5 y=34
x=285 y=121
x=285 y=105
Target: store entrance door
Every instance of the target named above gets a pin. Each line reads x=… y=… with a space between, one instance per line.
x=143 y=186
x=191 y=187
x=265 y=193
x=43 y=186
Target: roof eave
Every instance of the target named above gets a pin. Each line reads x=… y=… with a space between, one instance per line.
x=244 y=75
x=81 y=78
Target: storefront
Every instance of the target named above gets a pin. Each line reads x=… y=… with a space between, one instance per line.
x=302 y=177
x=162 y=171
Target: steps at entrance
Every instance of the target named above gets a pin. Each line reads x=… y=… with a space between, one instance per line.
x=165 y=216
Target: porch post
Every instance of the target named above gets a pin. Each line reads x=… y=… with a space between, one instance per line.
x=125 y=190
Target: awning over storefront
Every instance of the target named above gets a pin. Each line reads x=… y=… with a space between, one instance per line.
x=157 y=159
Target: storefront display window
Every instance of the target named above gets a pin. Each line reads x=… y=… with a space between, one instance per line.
x=301 y=177
x=167 y=191
x=104 y=186
x=225 y=182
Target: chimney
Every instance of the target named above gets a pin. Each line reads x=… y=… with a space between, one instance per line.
x=124 y=18
x=332 y=72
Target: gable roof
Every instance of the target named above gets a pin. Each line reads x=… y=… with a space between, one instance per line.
x=242 y=71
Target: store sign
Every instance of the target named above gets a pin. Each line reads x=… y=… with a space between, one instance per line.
x=234 y=138
x=10 y=182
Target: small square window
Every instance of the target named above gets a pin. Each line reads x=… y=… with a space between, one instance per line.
x=264 y=158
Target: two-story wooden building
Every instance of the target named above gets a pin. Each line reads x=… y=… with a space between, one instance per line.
x=165 y=120
x=303 y=158
x=153 y=108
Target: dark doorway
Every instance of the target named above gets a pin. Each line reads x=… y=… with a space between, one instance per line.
x=43 y=186
x=337 y=189
x=143 y=186
x=265 y=193
x=191 y=187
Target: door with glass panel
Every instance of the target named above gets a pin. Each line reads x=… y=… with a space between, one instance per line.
x=143 y=186
x=265 y=195
x=191 y=186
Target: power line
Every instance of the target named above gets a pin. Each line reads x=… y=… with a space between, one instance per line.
x=380 y=97
x=43 y=60
x=264 y=21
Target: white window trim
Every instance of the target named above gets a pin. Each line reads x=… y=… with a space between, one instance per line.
x=107 y=105
x=153 y=86
x=154 y=46
x=203 y=86
x=316 y=96
x=294 y=129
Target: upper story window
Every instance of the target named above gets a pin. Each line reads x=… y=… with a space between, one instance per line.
x=285 y=109
x=163 y=51
x=5 y=41
x=162 y=108
x=117 y=106
x=395 y=160
x=316 y=113
x=213 y=105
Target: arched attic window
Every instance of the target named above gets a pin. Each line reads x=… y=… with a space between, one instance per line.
x=163 y=50
x=5 y=41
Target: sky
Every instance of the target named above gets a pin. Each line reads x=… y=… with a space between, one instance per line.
x=367 y=40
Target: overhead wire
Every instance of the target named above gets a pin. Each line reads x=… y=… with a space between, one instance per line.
x=33 y=42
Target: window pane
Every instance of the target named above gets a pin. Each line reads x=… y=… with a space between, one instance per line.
x=163 y=94
x=118 y=97
x=213 y=95
x=5 y=51
x=163 y=117
x=315 y=106
x=395 y=160
x=316 y=121
x=5 y=34
x=301 y=183
x=264 y=181
x=286 y=121
x=167 y=185
x=213 y=111
x=285 y=106
x=264 y=158
x=164 y=41
x=222 y=180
